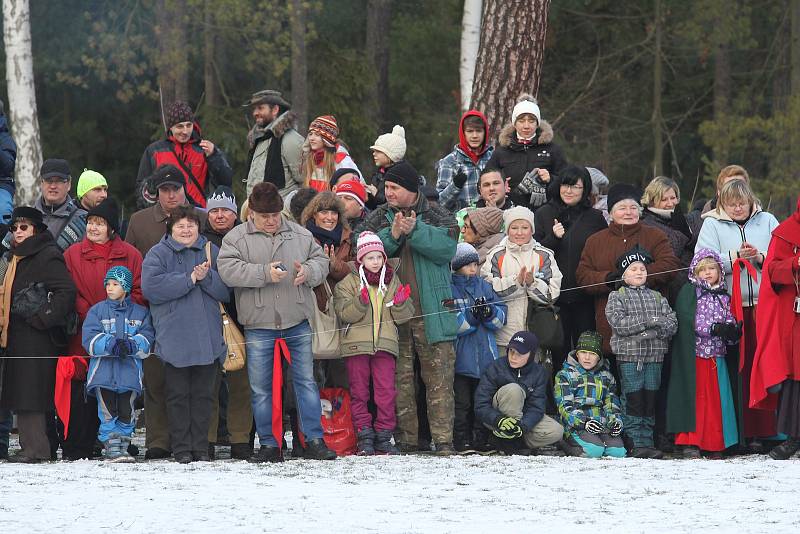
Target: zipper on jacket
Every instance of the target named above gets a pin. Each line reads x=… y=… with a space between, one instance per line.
x=749 y=280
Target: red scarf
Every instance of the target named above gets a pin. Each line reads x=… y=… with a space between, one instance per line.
x=736 y=299
x=319 y=155
x=374 y=279
x=280 y=351
x=103 y=249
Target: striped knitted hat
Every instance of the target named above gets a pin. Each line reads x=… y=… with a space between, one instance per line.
x=326 y=127
x=368 y=242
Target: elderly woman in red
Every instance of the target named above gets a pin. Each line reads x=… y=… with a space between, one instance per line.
x=776 y=368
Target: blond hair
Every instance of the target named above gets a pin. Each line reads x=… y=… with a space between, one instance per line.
x=705 y=262
x=656 y=189
x=309 y=166
x=736 y=191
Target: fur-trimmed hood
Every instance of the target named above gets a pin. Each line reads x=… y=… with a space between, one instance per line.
x=544 y=134
x=285 y=122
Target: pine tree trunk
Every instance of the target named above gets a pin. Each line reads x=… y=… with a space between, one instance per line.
x=22 y=98
x=510 y=57
x=656 y=118
x=470 y=45
x=299 y=70
x=210 y=84
x=173 y=50
x=379 y=17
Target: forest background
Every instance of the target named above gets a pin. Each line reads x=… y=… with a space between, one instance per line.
x=678 y=87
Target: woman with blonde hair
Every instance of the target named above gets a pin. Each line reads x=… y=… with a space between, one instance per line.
x=324 y=153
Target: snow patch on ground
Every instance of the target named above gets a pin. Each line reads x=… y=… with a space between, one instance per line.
x=404 y=494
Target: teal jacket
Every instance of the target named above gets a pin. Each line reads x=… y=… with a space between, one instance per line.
x=582 y=395
x=433 y=245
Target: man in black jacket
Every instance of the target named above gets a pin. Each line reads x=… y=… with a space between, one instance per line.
x=510 y=400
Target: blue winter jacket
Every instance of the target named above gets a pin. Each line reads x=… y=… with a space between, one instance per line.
x=106 y=322
x=475 y=345
x=531 y=377
x=8 y=157
x=185 y=315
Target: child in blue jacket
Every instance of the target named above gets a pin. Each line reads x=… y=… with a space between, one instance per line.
x=117 y=334
x=480 y=314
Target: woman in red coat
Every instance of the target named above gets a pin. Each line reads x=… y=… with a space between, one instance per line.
x=775 y=382
x=88 y=262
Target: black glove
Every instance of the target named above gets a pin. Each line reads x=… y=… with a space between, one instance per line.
x=481 y=310
x=123 y=348
x=528 y=183
x=727 y=331
x=615 y=429
x=593 y=427
x=460 y=179
x=678 y=221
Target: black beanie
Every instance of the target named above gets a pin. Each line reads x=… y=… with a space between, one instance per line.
x=635 y=254
x=109 y=211
x=403 y=174
x=620 y=192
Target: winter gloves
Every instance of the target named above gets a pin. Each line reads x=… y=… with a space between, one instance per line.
x=532 y=185
x=460 y=179
x=124 y=347
x=481 y=310
x=402 y=295
x=364 y=296
x=730 y=332
x=507 y=428
x=678 y=221
x=593 y=427
x=615 y=429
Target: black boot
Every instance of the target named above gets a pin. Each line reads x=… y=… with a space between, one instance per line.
x=690 y=452
x=267 y=454
x=366 y=442
x=317 y=450
x=241 y=451
x=383 y=443
x=785 y=450
x=480 y=440
x=461 y=442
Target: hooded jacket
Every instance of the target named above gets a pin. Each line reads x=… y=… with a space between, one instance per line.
x=185 y=315
x=713 y=306
x=208 y=171
x=586 y=394
x=280 y=131
x=476 y=347
x=514 y=159
x=106 y=322
x=463 y=159
x=721 y=234
x=531 y=377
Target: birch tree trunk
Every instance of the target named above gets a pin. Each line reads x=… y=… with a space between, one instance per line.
x=510 y=57
x=470 y=45
x=22 y=98
x=297 y=19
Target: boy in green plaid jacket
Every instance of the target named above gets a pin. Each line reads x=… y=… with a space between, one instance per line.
x=586 y=397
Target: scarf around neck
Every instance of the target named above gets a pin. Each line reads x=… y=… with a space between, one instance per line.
x=325 y=237
x=379 y=279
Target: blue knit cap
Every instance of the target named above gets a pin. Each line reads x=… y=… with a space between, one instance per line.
x=122 y=275
x=465 y=254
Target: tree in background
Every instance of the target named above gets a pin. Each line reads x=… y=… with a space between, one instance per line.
x=470 y=46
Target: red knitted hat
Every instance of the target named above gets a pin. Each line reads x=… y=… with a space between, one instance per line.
x=326 y=127
x=352 y=188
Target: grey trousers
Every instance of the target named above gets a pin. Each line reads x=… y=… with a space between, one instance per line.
x=33 y=435
x=510 y=399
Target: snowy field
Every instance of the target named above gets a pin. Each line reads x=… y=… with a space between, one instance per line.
x=405 y=494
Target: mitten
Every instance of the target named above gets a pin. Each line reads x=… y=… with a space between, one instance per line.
x=402 y=294
x=593 y=427
x=363 y=296
x=615 y=429
x=460 y=179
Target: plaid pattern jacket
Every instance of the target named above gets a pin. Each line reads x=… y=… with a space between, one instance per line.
x=642 y=324
x=450 y=196
x=582 y=395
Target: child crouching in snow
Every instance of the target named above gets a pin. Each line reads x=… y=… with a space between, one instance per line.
x=700 y=406
x=117 y=334
x=586 y=396
x=371 y=301
x=481 y=313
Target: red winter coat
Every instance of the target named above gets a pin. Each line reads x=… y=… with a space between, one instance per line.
x=88 y=268
x=777 y=355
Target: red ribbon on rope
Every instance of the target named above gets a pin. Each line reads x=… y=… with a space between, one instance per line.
x=280 y=352
x=737 y=307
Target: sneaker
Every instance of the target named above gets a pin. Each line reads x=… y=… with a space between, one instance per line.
x=267 y=454
x=183 y=457
x=317 y=450
x=383 y=443
x=366 y=442
x=241 y=451
x=649 y=453
x=156 y=453
x=785 y=450
x=691 y=452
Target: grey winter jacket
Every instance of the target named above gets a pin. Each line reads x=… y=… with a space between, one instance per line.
x=642 y=324
x=244 y=265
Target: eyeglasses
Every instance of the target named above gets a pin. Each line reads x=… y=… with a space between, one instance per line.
x=24 y=227
x=576 y=187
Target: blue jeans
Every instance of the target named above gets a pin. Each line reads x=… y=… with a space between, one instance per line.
x=260 y=350
x=6 y=206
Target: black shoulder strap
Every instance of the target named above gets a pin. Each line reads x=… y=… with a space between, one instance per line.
x=189 y=173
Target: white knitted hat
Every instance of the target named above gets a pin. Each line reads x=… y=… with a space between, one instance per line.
x=392 y=144
x=526 y=106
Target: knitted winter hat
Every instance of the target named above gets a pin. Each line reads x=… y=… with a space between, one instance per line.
x=368 y=242
x=526 y=104
x=179 y=111
x=122 y=275
x=590 y=341
x=108 y=211
x=515 y=213
x=598 y=179
x=265 y=198
x=404 y=175
x=487 y=221
x=392 y=144
x=222 y=197
x=325 y=126
x=88 y=180
x=620 y=192
x=635 y=254
x=352 y=188
x=465 y=254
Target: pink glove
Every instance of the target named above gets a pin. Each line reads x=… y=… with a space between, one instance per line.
x=402 y=294
x=364 y=296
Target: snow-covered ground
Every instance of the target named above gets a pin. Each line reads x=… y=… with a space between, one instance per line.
x=404 y=494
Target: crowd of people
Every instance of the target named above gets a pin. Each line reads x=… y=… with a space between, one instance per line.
x=521 y=303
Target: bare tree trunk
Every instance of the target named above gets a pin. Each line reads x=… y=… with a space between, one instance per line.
x=658 y=142
x=722 y=94
x=379 y=17
x=173 y=50
x=470 y=44
x=22 y=98
x=510 y=57
x=299 y=69
x=210 y=85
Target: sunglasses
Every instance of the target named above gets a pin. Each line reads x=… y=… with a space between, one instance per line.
x=24 y=227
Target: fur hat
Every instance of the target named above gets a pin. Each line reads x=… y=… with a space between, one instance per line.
x=325 y=126
x=487 y=221
x=404 y=175
x=122 y=275
x=526 y=104
x=222 y=197
x=108 y=211
x=179 y=111
x=368 y=242
x=392 y=144
x=265 y=198
x=516 y=213
x=465 y=254
x=619 y=192
x=590 y=341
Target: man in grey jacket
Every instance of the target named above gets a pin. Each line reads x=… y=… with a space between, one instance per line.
x=273 y=265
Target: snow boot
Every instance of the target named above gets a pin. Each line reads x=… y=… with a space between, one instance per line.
x=690 y=452
x=444 y=449
x=241 y=451
x=317 y=450
x=649 y=453
x=113 y=448
x=571 y=448
x=125 y=456
x=785 y=450
x=267 y=454
x=383 y=443
x=366 y=442
x=480 y=440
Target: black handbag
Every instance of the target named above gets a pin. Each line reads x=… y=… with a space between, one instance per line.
x=29 y=300
x=545 y=322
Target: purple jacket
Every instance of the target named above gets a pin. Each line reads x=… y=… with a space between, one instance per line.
x=713 y=306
